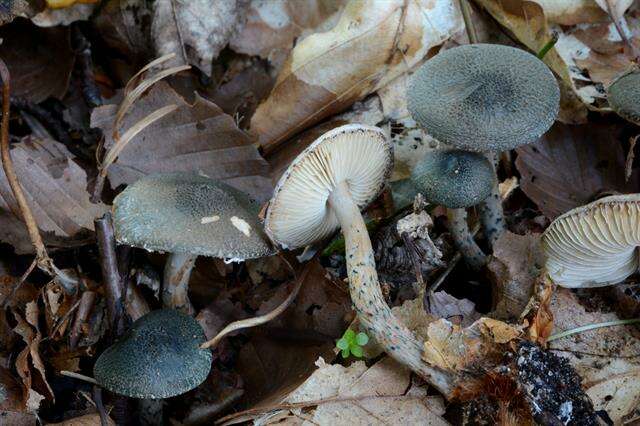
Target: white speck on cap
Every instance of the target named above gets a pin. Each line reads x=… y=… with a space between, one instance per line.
x=242 y=226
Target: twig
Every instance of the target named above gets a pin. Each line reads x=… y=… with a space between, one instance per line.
x=465 y=8
x=23 y=278
x=110 y=274
x=43 y=260
x=623 y=36
x=84 y=69
x=97 y=397
x=78 y=376
x=86 y=304
x=592 y=327
x=253 y=322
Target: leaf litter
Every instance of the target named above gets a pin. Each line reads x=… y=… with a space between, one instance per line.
x=235 y=92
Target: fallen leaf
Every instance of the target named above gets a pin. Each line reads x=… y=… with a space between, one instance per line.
x=571 y=12
x=66 y=16
x=198 y=138
x=196 y=31
x=55 y=188
x=24 y=8
x=322 y=76
x=40 y=60
x=614 y=8
x=380 y=395
x=514 y=266
x=28 y=362
x=271 y=27
x=12 y=395
x=607 y=359
x=570 y=165
x=86 y=420
x=460 y=311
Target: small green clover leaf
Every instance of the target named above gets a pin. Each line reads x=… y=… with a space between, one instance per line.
x=351 y=343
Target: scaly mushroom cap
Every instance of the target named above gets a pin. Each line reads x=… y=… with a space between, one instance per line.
x=594 y=245
x=484 y=97
x=454 y=179
x=298 y=213
x=189 y=213
x=624 y=97
x=159 y=357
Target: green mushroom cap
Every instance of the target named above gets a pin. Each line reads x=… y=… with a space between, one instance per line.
x=159 y=357
x=484 y=97
x=624 y=96
x=454 y=179
x=189 y=213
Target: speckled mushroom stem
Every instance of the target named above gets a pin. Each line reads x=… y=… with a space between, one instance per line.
x=491 y=212
x=373 y=312
x=462 y=238
x=175 y=283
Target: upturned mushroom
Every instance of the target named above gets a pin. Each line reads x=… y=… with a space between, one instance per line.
x=594 y=245
x=188 y=215
x=159 y=357
x=624 y=96
x=486 y=98
x=456 y=179
x=324 y=189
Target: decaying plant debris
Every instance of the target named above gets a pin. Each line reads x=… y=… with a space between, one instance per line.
x=366 y=271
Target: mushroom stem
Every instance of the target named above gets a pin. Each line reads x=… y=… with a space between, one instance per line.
x=373 y=312
x=491 y=213
x=473 y=255
x=175 y=283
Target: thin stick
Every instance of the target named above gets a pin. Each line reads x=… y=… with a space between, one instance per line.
x=110 y=274
x=253 y=322
x=84 y=309
x=43 y=260
x=78 y=376
x=23 y=278
x=592 y=327
x=623 y=36
x=549 y=45
x=465 y=8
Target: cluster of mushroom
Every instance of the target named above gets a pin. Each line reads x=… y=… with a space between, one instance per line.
x=477 y=98
x=187 y=215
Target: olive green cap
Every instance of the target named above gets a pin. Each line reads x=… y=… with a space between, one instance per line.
x=454 y=178
x=624 y=96
x=484 y=97
x=189 y=213
x=159 y=357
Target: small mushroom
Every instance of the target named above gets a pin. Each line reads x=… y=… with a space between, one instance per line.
x=188 y=215
x=323 y=189
x=457 y=180
x=624 y=96
x=486 y=98
x=159 y=357
x=596 y=244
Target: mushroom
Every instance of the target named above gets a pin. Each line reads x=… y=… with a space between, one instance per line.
x=596 y=244
x=159 y=357
x=323 y=189
x=188 y=215
x=624 y=95
x=487 y=98
x=456 y=179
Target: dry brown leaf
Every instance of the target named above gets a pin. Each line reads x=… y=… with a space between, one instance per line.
x=29 y=363
x=196 y=31
x=461 y=312
x=272 y=27
x=570 y=165
x=539 y=316
x=86 y=420
x=571 y=12
x=514 y=266
x=461 y=350
x=614 y=8
x=199 y=138
x=12 y=395
x=607 y=359
x=380 y=395
x=55 y=188
x=372 y=43
x=40 y=60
